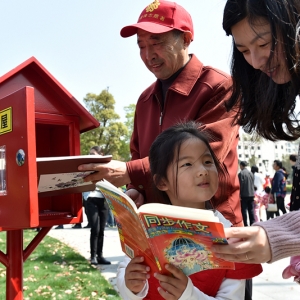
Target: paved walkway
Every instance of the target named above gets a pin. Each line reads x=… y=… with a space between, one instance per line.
x=267 y=286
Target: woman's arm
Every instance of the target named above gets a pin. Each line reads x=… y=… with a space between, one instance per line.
x=264 y=241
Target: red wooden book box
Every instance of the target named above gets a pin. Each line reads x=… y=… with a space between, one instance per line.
x=38 y=118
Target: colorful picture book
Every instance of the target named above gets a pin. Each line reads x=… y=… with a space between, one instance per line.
x=166 y=234
x=60 y=175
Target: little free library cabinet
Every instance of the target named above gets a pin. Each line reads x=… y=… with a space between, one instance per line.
x=38 y=118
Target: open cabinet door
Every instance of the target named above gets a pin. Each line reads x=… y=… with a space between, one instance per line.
x=18 y=171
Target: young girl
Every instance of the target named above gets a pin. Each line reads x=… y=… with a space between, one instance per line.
x=266 y=199
x=266 y=82
x=185 y=173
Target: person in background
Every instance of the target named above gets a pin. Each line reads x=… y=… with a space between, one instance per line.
x=259 y=182
x=278 y=188
x=110 y=219
x=246 y=179
x=293 y=159
x=267 y=181
x=186 y=173
x=258 y=179
x=84 y=201
x=266 y=199
x=256 y=205
x=97 y=209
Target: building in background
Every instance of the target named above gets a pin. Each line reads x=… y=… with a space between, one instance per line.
x=260 y=152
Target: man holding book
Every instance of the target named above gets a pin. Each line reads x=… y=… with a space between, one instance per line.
x=185 y=89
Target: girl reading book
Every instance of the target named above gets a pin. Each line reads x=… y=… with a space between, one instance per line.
x=185 y=173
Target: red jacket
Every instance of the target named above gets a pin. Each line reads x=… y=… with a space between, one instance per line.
x=198 y=93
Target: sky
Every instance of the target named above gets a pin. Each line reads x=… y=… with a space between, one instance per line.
x=79 y=42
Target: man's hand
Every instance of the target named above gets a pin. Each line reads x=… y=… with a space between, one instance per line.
x=246 y=245
x=136 y=196
x=136 y=274
x=172 y=287
x=115 y=172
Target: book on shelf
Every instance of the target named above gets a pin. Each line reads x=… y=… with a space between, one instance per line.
x=59 y=175
x=166 y=234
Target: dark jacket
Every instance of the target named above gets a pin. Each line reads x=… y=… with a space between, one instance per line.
x=279 y=183
x=198 y=93
x=246 y=179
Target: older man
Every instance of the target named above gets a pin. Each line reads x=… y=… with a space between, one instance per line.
x=185 y=89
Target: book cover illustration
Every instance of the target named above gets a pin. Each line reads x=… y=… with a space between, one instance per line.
x=53 y=182
x=185 y=243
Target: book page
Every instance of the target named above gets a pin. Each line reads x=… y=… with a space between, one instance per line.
x=179 y=212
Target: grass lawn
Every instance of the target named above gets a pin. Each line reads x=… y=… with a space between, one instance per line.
x=55 y=271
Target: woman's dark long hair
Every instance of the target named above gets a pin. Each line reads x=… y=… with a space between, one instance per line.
x=261 y=105
x=166 y=148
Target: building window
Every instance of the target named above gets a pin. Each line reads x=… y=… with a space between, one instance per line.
x=259 y=156
x=240 y=155
x=246 y=155
x=252 y=147
x=246 y=147
x=275 y=146
x=239 y=147
x=259 y=165
x=258 y=147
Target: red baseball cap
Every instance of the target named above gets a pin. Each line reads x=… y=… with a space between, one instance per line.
x=160 y=17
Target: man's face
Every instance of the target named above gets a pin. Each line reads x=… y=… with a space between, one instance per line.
x=163 y=54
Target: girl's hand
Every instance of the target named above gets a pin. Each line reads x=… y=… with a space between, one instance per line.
x=136 y=274
x=172 y=287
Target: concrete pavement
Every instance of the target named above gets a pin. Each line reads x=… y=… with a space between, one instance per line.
x=267 y=286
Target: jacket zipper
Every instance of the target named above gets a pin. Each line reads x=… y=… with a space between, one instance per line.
x=161 y=110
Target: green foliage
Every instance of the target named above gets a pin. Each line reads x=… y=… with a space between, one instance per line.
x=124 y=149
x=111 y=133
x=289 y=188
x=55 y=271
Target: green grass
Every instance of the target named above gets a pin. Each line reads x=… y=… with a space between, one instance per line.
x=289 y=188
x=54 y=271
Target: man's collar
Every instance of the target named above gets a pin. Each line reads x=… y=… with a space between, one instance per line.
x=187 y=78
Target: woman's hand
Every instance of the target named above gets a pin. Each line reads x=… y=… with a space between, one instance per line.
x=136 y=274
x=246 y=245
x=172 y=287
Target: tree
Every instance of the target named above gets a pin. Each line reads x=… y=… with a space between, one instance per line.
x=250 y=146
x=124 y=150
x=112 y=133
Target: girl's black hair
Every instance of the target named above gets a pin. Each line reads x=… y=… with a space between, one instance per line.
x=165 y=149
x=261 y=105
